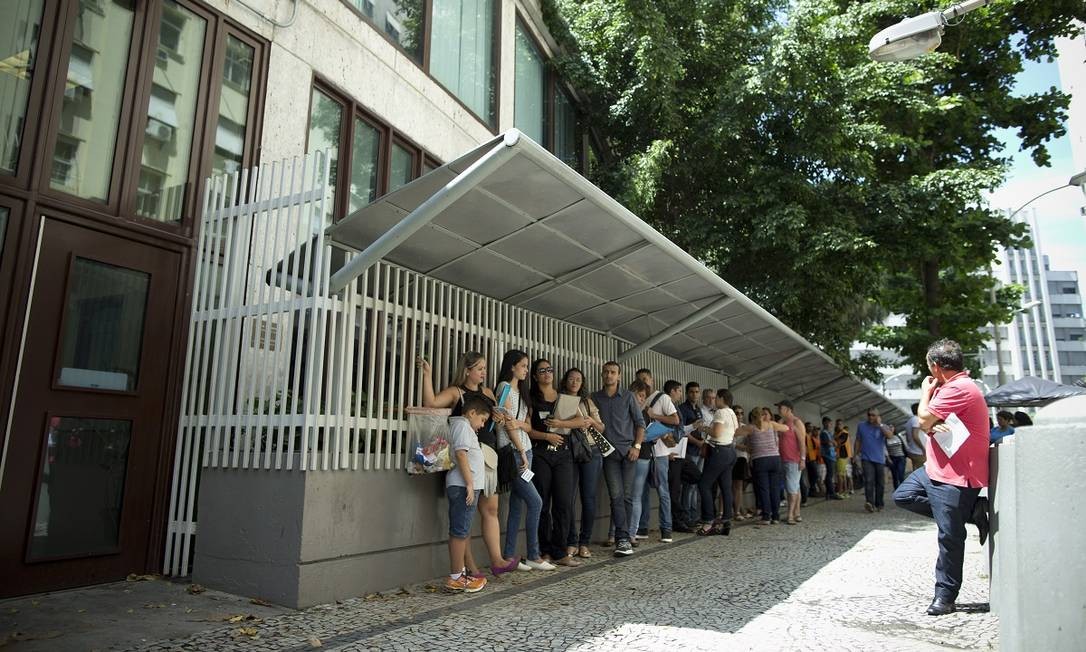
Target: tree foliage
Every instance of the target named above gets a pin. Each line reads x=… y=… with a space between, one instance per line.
x=759 y=136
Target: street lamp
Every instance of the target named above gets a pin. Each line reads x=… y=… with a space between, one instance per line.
x=918 y=35
x=1078 y=180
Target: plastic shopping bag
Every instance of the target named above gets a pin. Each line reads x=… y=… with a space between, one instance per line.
x=428 y=428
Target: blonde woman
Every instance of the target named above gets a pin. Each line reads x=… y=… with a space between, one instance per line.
x=470 y=380
x=763 y=444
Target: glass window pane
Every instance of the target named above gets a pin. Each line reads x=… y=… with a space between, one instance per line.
x=237 y=82
x=87 y=136
x=21 y=21
x=403 y=168
x=461 y=52
x=365 y=149
x=81 y=490
x=325 y=126
x=566 y=145
x=401 y=20
x=171 y=114
x=529 y=90
x=103 y=326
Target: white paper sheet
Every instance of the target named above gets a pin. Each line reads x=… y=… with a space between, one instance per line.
x=660 y=450
x=951 y=441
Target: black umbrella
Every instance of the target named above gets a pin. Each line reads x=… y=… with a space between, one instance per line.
x=1030 y=391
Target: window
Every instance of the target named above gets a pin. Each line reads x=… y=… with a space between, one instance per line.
x=403 y=167
x=1068 y=289
x=365 y=162
x=379 y=160
x=530 y=89
x=566 y=145
x=402 y=21
x=461 y=52
x=237 y=84
x=91 y=116
x=325 y=129
x=18 y=57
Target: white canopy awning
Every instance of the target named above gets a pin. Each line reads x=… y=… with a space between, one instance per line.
x=511 y=221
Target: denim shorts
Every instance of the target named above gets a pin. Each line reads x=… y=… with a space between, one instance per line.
x=791 y=477
x=460 y=514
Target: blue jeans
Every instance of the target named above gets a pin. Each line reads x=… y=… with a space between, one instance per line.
x=618 y=471
x=718 y=471
x=951 y=507
x=767 y=486
x=461 y=513
x=897 y=470
x=586 y=479
x=874 y=482
x=663 y=490
x=523 y=494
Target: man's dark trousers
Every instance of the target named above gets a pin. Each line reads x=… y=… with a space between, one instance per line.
x=951 y=507
x=874 y=482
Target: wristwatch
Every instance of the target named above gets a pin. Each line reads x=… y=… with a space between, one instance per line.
x=637 y=446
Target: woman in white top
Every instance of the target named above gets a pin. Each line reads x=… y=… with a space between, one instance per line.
x=514 y=375
x=718 y=466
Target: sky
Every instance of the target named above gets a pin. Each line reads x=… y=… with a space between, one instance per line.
x=1061 y=225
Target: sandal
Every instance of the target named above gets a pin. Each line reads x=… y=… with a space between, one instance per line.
x=705 y=530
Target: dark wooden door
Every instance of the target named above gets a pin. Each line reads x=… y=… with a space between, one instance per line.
x=82 y=462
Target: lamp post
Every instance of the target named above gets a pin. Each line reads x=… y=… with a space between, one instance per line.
x=918 y=35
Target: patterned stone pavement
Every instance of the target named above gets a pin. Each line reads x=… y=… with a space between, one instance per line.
x=843 y=580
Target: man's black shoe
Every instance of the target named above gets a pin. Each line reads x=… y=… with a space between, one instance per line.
x=683 y=527
x=980 y=518
x=941 y=607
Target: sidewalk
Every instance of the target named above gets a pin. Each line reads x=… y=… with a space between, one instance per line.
x=842 y=579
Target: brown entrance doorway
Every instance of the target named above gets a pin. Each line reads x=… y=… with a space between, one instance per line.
x=82 y=465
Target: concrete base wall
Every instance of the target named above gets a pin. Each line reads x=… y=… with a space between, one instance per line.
x=300 y=539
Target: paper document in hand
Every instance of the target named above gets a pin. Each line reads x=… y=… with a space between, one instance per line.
x=660 y=449
x=951 y=441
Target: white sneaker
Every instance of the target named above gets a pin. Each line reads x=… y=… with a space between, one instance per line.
x=540 y=565
x=521 y=566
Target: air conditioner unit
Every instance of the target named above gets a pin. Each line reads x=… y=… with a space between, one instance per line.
x=159 y=131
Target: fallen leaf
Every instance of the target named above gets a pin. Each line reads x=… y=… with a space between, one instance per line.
x=154 y=605
x=372 y=596
x=405 y=591
x=430 y=588
x=131 y=611
x=195 y=589
x=188 y=611
x=247 y=631
x=314 y=641
x=250 y=618
x=260 y=601
x=133 y=577
x=82 y=611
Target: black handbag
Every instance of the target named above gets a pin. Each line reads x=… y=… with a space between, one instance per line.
x=507 y=467
x=580 y=445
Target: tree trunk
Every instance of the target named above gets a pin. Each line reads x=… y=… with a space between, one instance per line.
x=930 y=273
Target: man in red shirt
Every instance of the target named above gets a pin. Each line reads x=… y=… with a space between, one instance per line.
x=946 y=488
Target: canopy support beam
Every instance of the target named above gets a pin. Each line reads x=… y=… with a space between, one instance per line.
x=675 y=328
x=772 y=369
x=426 y=212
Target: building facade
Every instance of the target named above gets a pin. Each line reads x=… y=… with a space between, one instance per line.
x=113 y=113
x=1047 y=338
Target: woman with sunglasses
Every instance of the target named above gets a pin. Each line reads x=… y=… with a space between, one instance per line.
x=552 y=462
x=470 y=380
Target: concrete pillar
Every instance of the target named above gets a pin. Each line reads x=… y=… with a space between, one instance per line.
x=1038 y=543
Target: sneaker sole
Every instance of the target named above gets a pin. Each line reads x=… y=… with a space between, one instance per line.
x=475 y=590
x=666 y=540
x=623 y=553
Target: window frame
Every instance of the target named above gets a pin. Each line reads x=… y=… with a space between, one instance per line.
x=46 y=97
x=353 y=109
x=424 y=64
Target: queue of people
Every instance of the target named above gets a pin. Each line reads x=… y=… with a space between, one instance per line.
x=692 y=447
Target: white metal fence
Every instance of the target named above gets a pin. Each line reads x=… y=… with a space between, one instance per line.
x=281 y=376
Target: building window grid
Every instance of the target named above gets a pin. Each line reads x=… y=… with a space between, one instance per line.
x=352 y=115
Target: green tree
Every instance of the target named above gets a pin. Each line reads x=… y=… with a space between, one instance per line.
x=759 y=136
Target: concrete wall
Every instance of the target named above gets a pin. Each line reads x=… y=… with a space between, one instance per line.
x=1039 y=552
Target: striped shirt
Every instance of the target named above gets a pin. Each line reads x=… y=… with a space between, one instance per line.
x=763 y=443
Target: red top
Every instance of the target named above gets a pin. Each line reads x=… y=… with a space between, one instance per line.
x=789 y=446
x=969 y=466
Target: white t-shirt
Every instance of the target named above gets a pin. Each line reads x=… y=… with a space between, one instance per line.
x=910 y=446
x=725 y=416
x=664 y=407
